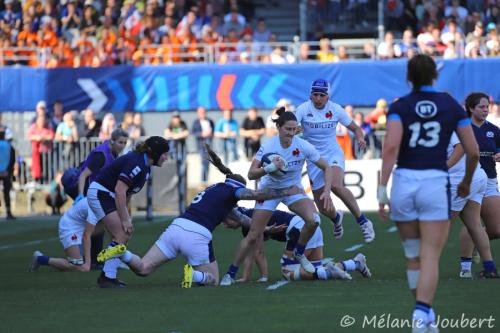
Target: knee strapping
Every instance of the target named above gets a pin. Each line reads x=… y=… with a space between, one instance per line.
x=411 y=248
x=412 y=277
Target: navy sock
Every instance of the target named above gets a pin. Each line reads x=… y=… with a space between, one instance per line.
x=43 y=260
x=358 y=265
x=489 y=266
x=465 y=259
x=336 y=219
x=422 y=307
x=232 y=271
x=299 y=249
x=362 y=219
x=113 y=243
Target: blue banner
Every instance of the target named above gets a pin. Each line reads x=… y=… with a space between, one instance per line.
x=185 y=87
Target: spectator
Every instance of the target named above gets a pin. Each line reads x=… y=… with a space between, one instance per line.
x=203 y=130
x=455 y=10
x=55 y=197
x=407 y=47
x=91 y=126
x=494 y=115
x=342 y=53
x=137 y=130
x=57 y=114
x=107 y=127
x=325 y=53
x=67 y=136
x=359 y=119
x=227 y=130
x=233 y=21
x=305 y=53
x=177 y=131
x=377 y=120
x=127 y=121
x=261 y=33
x=41 y=135
x=89 y=21
x=252 y=130
x=7 y=163
x=71 y=19
x=385 y=49
x=476 y=33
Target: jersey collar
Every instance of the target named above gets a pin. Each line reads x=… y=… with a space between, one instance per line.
x=427 y=89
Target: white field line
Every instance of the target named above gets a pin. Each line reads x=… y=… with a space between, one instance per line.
x=33 y=242
x=277 y=285
x=354 y=247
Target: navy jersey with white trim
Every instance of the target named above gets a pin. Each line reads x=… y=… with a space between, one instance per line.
x=210 y=206
x=130 y=168
x=428 y=118
x=488 y=140
x=278 y=218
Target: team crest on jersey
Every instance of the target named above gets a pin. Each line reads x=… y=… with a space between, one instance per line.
x=329 y=115
x=74 y=237
x=296 y=152
x=490 y=134
x=426 y=109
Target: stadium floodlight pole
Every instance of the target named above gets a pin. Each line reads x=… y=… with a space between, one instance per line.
x=303 y=19
x=380 y=20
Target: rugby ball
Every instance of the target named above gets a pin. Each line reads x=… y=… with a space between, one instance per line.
x=268 y=159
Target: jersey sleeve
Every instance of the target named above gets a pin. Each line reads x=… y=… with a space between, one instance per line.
x=260 y=153
x=462 y=118
x=394 y=113
x=96 y=161
x=310 y=152
x=129 y=173
x=344 y=118
x=497 y=138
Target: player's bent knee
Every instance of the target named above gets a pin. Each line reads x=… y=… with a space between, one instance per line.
x=411 y=248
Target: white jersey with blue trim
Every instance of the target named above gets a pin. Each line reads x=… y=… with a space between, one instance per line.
x=457 y=171
x=320 y=126
x=295 y=155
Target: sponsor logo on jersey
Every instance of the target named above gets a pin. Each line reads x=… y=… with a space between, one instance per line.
x=135 y=171
x=329 y=115
x=320 y=125
x=490 y=134
x=292 y=163
x=426 y=109
x=296 y=152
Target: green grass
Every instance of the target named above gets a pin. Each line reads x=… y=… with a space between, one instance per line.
x=50 y=301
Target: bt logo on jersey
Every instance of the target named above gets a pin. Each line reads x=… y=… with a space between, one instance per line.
x=426 y=109
x=329 y=115
x=296 y=152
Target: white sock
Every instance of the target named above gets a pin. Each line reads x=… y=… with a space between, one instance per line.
x=321 y=272
x=127 y=256
x=198 y=276
x=110 y=268
x=420 y=316
x=466 y=265
x=349 y=265
x=432 y=316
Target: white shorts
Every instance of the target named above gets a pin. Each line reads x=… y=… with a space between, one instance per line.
x=316 y=239
x=190 y=239
x=316 y=175
x=273 y=203
x=420 y=195
x=101 y=202
x=477 y=190
x=70 y=233
x=492 y=188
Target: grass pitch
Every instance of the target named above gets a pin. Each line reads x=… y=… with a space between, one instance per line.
x=50 y=301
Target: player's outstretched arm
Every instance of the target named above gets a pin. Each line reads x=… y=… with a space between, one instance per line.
x=268 y=193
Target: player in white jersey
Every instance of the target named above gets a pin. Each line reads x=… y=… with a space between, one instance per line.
x=469 y=208
x=319 y=118
x=75 y=228
x=294 y=152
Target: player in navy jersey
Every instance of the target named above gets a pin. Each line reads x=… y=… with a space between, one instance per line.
x=77 y=180
x=419 y=127
x=488 y=138
x=290 y=153
x=190 y=234
x=286 y=227
x=109 y=194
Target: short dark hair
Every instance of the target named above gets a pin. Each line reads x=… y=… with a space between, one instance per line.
x=472 y=100
x=421 y=71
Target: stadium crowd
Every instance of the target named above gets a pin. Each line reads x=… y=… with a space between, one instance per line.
x=94 y=33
